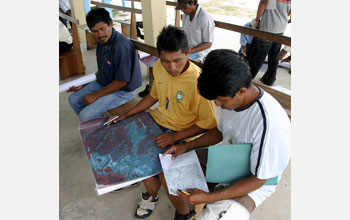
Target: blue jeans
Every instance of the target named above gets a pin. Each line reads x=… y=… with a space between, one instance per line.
x=257 y=53
x=101 y=105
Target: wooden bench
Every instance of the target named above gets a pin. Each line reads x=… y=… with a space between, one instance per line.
x=71 y=62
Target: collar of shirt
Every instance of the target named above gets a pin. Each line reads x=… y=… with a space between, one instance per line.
x=196 y=15
x=261 y=93
x=110 y=43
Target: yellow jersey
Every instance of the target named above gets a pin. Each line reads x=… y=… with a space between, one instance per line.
x=180 y=105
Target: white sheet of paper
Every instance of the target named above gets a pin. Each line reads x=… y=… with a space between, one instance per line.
x=78 y=82
x=100 y=190
x=143 y=54
x=184 y=172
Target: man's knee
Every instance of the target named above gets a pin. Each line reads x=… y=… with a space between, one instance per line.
x=87 y=114
x=83 y=116
x=73 y=99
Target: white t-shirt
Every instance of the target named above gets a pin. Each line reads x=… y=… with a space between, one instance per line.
x=199 y=30
x=64 y=5
x=266 y=125
x=64 y=34
x=275 y=16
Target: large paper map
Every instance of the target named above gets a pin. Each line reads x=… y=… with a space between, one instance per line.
x=123 y=151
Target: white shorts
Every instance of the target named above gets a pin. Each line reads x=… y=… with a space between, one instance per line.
x=224 y=210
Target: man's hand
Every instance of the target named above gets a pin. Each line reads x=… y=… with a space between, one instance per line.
x=176 y=150
x=165 y=139
x=90 y=98
x=74 y=88
x=255 y=23
x=121 y=117
x=196 y=196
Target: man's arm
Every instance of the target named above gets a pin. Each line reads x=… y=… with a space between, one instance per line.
x=211 y=137
x=238 y=189
x=201 y=46
x=167 y=139
x=110 y=88
x=244 y=50
x=144 y=104
x=260 y=12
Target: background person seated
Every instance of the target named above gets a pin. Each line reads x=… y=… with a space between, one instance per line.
x=65 y=39
x=198 y=26
x=118 y=73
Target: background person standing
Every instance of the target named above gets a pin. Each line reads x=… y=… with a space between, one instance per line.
x=272 y=16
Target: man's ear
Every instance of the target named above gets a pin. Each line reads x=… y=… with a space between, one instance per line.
x=242 y=90
x=189 y=52
x=111 y=23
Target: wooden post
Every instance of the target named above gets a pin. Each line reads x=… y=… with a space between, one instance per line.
x=76 y=46
x=177 y=18
x=133 y=32
x=78 y=12
x=154 y=19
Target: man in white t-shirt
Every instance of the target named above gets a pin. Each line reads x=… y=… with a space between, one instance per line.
x=249 y=116
x=198 y=26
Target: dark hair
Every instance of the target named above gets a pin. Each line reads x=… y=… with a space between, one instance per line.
x=172 y=39
x=224 y=73
x=194 y=2
x=97 y=15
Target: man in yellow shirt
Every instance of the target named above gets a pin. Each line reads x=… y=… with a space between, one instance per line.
x=182 y=112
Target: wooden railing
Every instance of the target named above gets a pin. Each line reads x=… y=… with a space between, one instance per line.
x=244 y=30
x=121 y=8
x=253 y=32
x=219 y=24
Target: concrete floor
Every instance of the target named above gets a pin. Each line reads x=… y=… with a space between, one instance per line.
x=77 y=196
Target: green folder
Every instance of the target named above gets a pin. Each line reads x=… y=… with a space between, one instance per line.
x=229 y=163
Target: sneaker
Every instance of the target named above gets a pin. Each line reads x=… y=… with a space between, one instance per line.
x=144 y=92
x=146 y=206
x=189 y=216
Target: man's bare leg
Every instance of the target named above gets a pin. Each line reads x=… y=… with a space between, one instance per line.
x=152 y=186
x=180 y=205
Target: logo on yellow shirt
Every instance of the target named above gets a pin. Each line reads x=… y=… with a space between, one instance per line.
x=179 y=96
